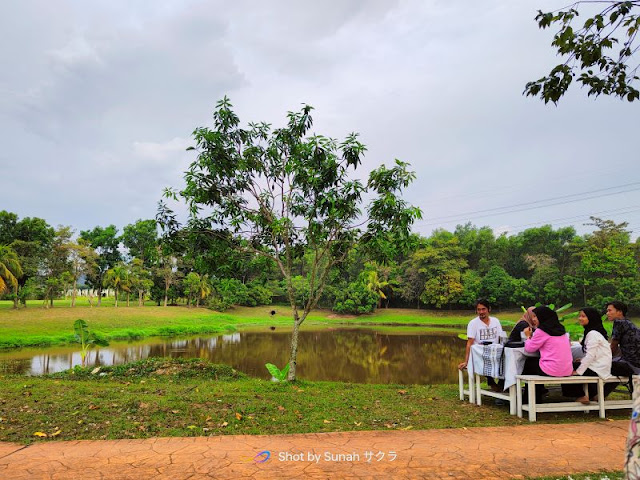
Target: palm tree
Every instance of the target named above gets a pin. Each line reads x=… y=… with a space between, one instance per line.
x=117 y=278
x=10 y=270
x=377 y=286
x=204 y=289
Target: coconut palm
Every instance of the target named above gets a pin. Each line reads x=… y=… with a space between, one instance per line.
x=204 y=289
x=118 y=279
x=10 y=270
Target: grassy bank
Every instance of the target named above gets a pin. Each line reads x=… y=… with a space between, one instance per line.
x=36 y=326
x=159 y=398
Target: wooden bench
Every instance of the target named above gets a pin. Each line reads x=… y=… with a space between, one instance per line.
x=601 y=405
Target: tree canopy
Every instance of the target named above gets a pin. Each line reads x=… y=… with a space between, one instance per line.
x=601 y=52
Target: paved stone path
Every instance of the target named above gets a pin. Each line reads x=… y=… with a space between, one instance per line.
x=475 y=453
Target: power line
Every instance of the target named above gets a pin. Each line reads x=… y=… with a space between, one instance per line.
x=530 y=205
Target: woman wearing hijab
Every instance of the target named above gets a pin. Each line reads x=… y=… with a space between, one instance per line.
x=597 y=355
x=551 y=341
x=526 y=321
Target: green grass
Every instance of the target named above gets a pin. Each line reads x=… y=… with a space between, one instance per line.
x=37 y=326
x=164 y=397
x=617 y=475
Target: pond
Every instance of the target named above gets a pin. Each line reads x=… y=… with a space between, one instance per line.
x=346 y=355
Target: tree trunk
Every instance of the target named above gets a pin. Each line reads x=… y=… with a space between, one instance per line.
x=74 y=292
x=15 y=298
x=140 y=302
x=116 y=297
x=128 y=295
x=99 y=296
x=294 y=349
x=198 y=301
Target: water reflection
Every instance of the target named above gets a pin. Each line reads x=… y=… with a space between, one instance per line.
x=362 y=356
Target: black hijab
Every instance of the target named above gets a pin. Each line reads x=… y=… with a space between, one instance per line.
x=595 y=323
x=549 y=322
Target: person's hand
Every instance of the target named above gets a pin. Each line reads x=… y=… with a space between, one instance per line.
x=527 y=331
x=574 y=373
x=462 y=366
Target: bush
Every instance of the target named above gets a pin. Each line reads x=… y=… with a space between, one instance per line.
x=356 y=300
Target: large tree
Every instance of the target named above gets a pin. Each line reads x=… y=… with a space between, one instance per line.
x=602 y=51
x=284 y=191
x=105 y=242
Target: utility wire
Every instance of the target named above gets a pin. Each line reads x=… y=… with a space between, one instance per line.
x=528 y=206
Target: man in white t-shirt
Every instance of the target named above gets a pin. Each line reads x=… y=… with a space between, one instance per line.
x=482 y=329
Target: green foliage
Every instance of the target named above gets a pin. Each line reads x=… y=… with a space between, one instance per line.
x=600 y=52
x=279 y=375
x=87 y=339
x=356 y=299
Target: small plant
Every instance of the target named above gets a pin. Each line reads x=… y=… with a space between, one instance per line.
x=87 y=340
x=276 y=373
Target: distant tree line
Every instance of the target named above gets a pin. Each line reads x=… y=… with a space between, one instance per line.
x=447 y=270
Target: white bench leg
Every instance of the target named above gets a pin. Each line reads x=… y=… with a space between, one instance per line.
x=472 y=388
x=518 y=398
x=531 y=387
x=601 y=398
x=461 y=384
x=478 y=393
x=512 y=399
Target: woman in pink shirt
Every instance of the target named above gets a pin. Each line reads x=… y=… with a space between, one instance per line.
x=551 y=340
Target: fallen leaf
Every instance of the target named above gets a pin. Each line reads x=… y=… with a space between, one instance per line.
x=56 y=433
x=357 y=424
x=402 y=392
x=143 y=405
x=207 y=419
x=175 y=411
x=407 y=428
x=238 y=416
x=327 y=421
x=40 y=434
x=95 y=370
x=93 y=407
x=191 y=427
x=224 y=424
x=281 y=408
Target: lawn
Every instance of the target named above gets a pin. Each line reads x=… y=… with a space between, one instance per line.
x=162 y=397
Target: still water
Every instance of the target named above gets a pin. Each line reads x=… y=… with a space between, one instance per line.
x=349 y=355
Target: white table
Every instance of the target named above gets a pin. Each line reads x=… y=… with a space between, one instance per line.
x=505 y=363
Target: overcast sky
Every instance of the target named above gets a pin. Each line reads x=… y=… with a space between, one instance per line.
x=98 y=100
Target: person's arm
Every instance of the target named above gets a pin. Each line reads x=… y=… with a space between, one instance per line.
x=464 y=364
x=590 y=354
x=535 y=341
x=515 y=333
x=614 y=347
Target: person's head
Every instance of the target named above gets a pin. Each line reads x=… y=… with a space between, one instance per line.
x=548 y=321
x=483 y=307
x=530 y=317
x=616 y=310
x=590 y=319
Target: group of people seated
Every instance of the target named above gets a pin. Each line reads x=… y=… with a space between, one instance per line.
x=539 y=330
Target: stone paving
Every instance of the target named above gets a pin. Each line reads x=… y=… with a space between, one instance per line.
x=474 y=453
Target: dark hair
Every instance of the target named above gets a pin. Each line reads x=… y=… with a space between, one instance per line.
x=483 y=301
x=618 y=306
x=549 y=322
x=595 y=323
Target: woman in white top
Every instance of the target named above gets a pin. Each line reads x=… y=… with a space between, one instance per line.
x=597 y=352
